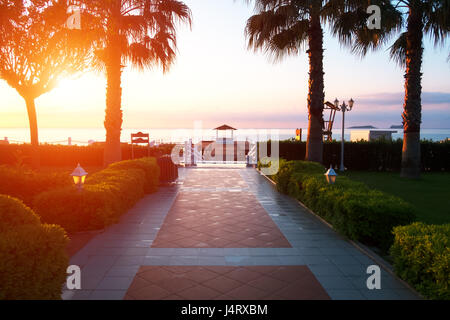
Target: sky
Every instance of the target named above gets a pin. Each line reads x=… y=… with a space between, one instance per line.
x=216 y=80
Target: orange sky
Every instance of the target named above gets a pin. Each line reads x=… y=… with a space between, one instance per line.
x=216 y=80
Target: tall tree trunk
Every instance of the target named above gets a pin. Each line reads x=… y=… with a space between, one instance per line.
x=316 y=95
x=113 y=117
x=34 y=137
x=412 y=114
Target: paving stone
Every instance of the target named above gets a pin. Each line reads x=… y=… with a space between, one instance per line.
x=183 y=260
x=345 y=294
x=156 y=260
x=122 y=271
x=343 y=260
x=335 y=282
x=115 y=283
x=239 y=260
x=129 y=261
x=325 y=270
x=224 y=234
x=211 y=261
x=76 y=294
x=107 y=295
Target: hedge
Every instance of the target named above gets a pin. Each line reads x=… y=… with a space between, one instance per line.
x=378 y=155
x=106 y=195
x=25 y=184
x=70 y=156
x=421 y=255
x=148 y=165
x=354 y=210
x=33 y=259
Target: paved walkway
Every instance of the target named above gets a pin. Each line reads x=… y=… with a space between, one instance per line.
x=224 y=234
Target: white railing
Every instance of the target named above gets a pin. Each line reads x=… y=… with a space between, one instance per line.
x=252 y=157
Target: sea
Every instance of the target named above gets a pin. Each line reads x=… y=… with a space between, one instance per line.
x=84 y=136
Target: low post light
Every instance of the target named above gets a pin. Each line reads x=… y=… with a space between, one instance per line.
x=79 y=176
x=331 y=175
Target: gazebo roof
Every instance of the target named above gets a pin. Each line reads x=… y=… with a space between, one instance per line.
x=224 y=127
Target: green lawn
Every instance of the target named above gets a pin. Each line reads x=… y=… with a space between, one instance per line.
x=430 y=195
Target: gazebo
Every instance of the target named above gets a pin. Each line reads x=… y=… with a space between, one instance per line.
x=224 y=128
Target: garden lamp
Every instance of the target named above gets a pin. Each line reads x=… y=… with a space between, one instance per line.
x=350 y=104
x=336 y=103
x=331 y=175
x=79 y=176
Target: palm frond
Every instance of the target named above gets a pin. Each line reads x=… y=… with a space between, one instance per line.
x=398 y=50
x=279 y=28
x=141 y=24
x=437 y=20
x=288 y=41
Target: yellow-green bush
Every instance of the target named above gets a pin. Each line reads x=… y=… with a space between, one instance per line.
x=148 y=165
x=106 y=195
x=33 y=259
x=25 y=184
x=421 y=256
x=353 y=209
x=288 y=168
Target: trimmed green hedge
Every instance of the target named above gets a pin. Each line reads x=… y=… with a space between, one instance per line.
x=69 y=156
x=25 y=184
x=421 y=256
x=354 y=210
x=106 y=196
x=148 y=165
x=33 y=259
x=377 y=155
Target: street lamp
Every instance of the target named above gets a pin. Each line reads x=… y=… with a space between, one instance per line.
x=344 y=108
x=331 y=175
x=79 y=176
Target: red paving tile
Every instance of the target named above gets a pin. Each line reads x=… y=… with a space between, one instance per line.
x=199 y=292
x=193 y=222
x=226 y=283
x=218 y=219
x=221 y=219
x=214 y=178
x=222 y=284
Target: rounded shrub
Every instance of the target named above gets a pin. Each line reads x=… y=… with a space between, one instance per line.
x=421 y=256
x=92 y=208
x=33 y=259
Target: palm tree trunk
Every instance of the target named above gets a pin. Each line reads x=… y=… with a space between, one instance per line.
x=34 y=137
x=316 y=95
x=412 y=114
x=114 y=115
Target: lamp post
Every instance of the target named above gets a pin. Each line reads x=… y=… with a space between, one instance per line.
x=79 y=176
x=331 y=175
x=344 y=108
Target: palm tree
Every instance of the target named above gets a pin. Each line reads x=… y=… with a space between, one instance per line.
x=411 y=20
x=137 y=32
x=36 y=51
x=284 y=27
